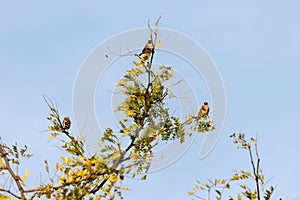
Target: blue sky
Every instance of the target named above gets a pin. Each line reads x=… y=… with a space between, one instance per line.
x=255 y=45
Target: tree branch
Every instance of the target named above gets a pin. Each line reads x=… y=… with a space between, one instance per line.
x=11 y=193
x=15 y=177
x=255 y=171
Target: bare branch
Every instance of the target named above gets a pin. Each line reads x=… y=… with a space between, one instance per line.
x=11 y=193
x=255 y=170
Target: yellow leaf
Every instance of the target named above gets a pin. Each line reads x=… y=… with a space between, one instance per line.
x=137 y=63
x=71 y=172
x=191 y=193
x=239 y=197
x=113 y=178
x=61 y=179
x=87 y=162
x=135 y=155
x=25 y=176
x=3 y=197
x=131 y=113
x=115 y=155
x=2 y=165
x=158 y=44
x=70 y=179
x=64 y=159
x=82 y=172
x=57 y=166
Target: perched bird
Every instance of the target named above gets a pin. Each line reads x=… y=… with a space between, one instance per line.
x=148 y=48
x=66 y=123
x=204 y=110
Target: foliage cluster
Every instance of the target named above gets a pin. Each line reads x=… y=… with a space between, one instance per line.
x=123 y=153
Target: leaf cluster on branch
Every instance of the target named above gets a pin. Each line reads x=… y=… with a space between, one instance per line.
x=250 y=183
x=127 y=152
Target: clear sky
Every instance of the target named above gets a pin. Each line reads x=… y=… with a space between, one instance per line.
x=255 y=45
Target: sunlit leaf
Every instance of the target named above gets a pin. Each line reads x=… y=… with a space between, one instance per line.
x=159 y=44
x=25 y=177
x=115 y=155
x=239 y=197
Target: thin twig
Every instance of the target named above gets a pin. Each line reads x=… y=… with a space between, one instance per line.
x=10 y=192
x=255 y=171
x=257 y=165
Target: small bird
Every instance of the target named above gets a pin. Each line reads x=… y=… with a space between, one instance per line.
x=66 y=123
x=148 y=48
x=204 y=110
